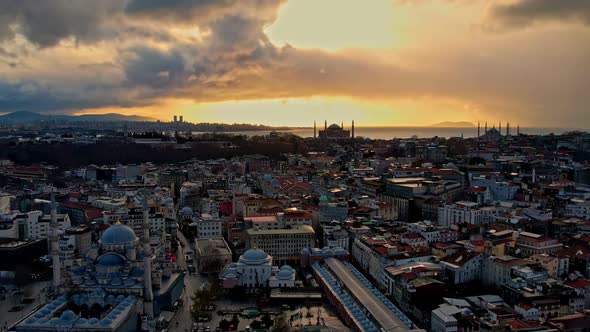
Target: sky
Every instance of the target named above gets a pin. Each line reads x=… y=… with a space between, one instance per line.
x=290 y=62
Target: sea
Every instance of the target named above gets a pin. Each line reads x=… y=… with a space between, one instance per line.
x=409 y=132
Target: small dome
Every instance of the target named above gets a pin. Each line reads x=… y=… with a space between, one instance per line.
x=286 y=272
x=186 y=211
x=68 y=316
x=110 y=259
x=167 y=201
x=118 y=234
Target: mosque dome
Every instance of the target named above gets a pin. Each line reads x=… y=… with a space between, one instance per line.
x=68 y=316
x=254 y=256
x=334 y=126
x=186 y=211
x=285 y=272
x=118 y=234
x=110 y=259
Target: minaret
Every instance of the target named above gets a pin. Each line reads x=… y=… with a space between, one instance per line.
x=500 y=127
x=508 y=129
x=53 y=238
x=517 y=129
x=352 y=129
x=485 y=129
x=148 y=295
x=314 y=130
x=325 y=124
x=342 y=125
x=478 y=129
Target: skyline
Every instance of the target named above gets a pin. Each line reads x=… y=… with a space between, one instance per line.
x=383 y=63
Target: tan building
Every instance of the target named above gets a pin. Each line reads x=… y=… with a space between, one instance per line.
x=283 y=244
x=212 y=254
x=531 y=244
x=555 y=266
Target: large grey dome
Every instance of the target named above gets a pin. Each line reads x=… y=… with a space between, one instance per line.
x=118 y=234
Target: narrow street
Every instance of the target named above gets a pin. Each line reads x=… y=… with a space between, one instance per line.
x=192 y=281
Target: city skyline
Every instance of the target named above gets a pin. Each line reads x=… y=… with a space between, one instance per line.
x=382 y=63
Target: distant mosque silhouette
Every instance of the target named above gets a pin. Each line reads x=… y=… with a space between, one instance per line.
x=493 y=133
x=333 y=131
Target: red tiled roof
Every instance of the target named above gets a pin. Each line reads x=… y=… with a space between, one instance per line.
x=412 y=236
x=578 y=283
x=525 y=306
x=382 y=250
x=477 y=243
x=409 y=275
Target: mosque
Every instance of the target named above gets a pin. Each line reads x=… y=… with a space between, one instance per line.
x=494 y=134
x=334 y=131
x=254 y=269
x=118 y=281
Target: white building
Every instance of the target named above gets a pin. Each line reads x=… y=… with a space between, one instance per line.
x=463 y=267
x=578 y=208
x=255 y=269
x=37 y=225
x=443 y=319
x=208 y=227
x=527 y=312
x=500 y=190
x=466 y=212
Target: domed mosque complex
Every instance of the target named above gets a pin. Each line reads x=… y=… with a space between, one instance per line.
x=118 y=280
x=255 y=269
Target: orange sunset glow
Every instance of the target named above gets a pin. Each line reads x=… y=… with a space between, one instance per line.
x=380 y=62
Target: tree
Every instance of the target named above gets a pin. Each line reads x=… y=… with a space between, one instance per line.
x=280 y=324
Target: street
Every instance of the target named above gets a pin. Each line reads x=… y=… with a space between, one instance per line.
x=33 y=291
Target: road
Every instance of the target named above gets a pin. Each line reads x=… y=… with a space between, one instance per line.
x=192 y=283
x=33 y=291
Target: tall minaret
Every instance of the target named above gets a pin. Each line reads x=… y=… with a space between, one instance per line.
x=314 y=130
x=478 y=128
x=517 y=129
x=342 y=125
x=352 y=128
x=148 y=295
x=485 y=129
x=508 y=129
x=325 y=124
x=53 y=238
x=500 y=127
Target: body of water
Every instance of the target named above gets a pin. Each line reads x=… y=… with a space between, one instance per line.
x=408 y=132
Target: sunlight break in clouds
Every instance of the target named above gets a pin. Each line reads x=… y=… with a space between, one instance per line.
x=283 y=62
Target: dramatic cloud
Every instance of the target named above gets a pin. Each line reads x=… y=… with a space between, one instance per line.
x=63 y=56
x=45 y=23
x=522 y=13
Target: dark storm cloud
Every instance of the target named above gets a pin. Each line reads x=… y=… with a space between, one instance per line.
x=154 y=68
x=178 y=10
x=523 y=13
x=200 y=12
x=32 y=96
x=46 y=22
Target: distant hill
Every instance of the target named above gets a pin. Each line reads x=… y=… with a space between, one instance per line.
x=25 y=116
x=451 y=124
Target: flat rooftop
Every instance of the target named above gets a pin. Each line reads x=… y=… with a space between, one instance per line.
x=386 y=318
x=302 y=229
